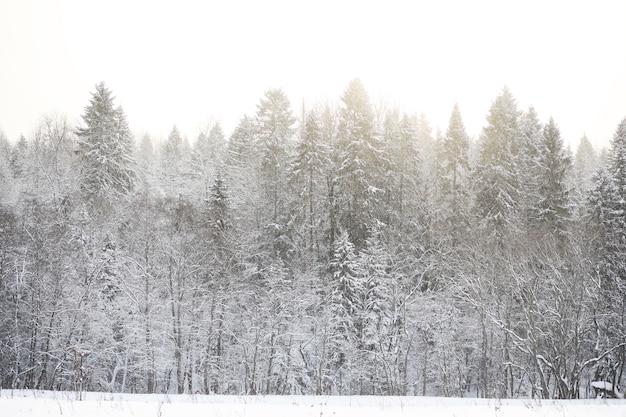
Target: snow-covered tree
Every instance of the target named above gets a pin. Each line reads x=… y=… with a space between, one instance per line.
x=345 y=288
x=528 y=165
x=208 y=157
x=453 y=176
x=146 y=163
x=5 y=167
x=360 y=163
x=496 y=182
x=402 y=173
x=106 y=149
x=586 y=163
x=176 y=168
x=273 y=128
x=19 y=157
x=241 y=174
x=308 y=168
x=608 y=204
x=553 y=210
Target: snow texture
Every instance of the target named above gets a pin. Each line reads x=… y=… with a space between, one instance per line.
x=46 y=403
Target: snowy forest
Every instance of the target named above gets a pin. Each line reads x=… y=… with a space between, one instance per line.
x=344 y=248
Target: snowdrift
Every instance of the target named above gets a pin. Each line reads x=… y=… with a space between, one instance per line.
x=46 y=403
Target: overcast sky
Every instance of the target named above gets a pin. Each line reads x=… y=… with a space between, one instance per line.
x=192 y=63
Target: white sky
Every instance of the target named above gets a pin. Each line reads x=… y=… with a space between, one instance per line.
x=191 y=63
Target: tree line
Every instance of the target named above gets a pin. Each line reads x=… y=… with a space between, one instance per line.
x=349 y=249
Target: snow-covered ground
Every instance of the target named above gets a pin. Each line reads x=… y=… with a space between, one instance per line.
x=45 y=403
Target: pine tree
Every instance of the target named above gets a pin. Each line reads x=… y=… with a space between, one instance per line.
x=105 y=144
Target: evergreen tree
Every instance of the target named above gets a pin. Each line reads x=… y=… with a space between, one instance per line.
x=19 y=157
x=175 y=164
x=240 y=150
x=585 y=164
x=455 y=153
x=146 y=159
x=617 y=159
x=208 y=156
x=529 y=170
x=496 y=180
x=361 y=160
x=345 y=300
x=374 y=261
x=454 y=170
x=427 y=148
x=608 y=204
x=174 y=151
x=5 y=166
x=241 y=173
x=274 y=129
x=554 y=206
x=329 y=125
x=219 y=208
x=402 y=170
x=105 y=144
x=211 y=146
x=273 y=133
x=307 y=177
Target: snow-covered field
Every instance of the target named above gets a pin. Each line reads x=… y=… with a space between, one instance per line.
x=44 y=403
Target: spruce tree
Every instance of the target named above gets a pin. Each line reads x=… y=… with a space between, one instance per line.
x=554 y=207
x=361 y=160
x=307 y=177
x=454 y=170
x=455 y=152
x=529 y=166
x=608 y=204
x=401 y=170
x=106 y=149
x=346 y=288
x=496 y=180
x=585 y=164
x=273 y=134
x=208 y=156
